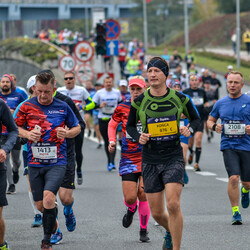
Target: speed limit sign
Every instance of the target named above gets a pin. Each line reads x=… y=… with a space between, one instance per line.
x=67 y=63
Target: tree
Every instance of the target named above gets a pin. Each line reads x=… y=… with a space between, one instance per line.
x=229 y=6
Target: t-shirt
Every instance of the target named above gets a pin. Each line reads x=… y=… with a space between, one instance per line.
x=112 y=98
x=234 y=113
x=131 y=150
x=50 y=150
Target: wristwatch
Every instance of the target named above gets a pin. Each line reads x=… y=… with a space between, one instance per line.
x=191 y=130
x=112 y=142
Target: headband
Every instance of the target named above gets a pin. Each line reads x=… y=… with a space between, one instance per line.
x=6 y=75
x=160 y=64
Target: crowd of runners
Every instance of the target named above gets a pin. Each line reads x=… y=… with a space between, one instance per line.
x=158 y=117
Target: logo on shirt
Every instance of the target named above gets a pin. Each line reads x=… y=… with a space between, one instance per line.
x=55 y=111
x=243 y=106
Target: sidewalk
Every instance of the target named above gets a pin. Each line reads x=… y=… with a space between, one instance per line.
x=228 y=52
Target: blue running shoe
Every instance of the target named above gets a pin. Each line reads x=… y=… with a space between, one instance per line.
x=244 y=199
x=113 y=166
x=167 y=244
x=56 y=238
x=38 y=221
x=186 y=179
x=70 y=221
x=5 y=246
x=110 y=167
x=236 y=219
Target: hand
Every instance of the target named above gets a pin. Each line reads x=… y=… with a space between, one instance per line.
x=185 y=131
x=2 y=155
x=248 y=129
x=219 y=128
x=34 y=135
x=103 y=104
x=112 y=146
x=61 y=132
x=144 y=138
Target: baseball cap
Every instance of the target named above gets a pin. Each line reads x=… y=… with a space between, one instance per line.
x=230 y=67
x=137 y=81
x=202 y=70
x=31 y=82
x=123 y=83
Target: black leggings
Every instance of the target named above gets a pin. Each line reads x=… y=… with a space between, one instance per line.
x=103 y=127
x=78 y=148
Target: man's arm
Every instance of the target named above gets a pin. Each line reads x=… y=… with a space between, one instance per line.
x=131 y=124
x=211 y=123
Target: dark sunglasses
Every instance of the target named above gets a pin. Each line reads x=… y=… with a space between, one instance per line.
x=68 y=78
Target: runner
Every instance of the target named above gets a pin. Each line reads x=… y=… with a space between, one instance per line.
x=130 y=163
x=107 y=100
x=46 y=118
x=234 y=112
x=12 y=99
x=80 y=97
x=159 y=110
x=18 y=89
x=199 y=99
x=6 y=119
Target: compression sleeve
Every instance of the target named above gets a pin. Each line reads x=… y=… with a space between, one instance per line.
x=112 y=130
x=131 y=124
x=89 y=104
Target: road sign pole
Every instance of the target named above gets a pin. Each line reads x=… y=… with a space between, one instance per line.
x=145 y=24
x=86 y=22
x=238 y=32
x=186 y=27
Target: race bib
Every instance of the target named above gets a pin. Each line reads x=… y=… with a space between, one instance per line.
x=235 y=129
x=197 y=100
x=108 y=110
x=163 y=128
x=182 y=123
x=45 y=153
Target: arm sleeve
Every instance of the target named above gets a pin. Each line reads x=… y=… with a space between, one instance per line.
x=8 y=121
x=131 y=124
x=89 y=103
x=112 y=130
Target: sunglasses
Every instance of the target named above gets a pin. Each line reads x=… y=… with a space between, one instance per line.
x=68 y=78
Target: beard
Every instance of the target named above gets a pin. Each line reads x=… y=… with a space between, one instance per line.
x=5 y=89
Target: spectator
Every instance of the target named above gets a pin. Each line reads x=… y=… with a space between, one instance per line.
x=233 y=39
x=177 y=57
x=166 y=56
x=189 y=59
x=246 y=40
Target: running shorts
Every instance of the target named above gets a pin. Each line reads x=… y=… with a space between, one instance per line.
x=131 y=177
x=45 y=178
x=69 y=177
x=237 y=163
x=3 y=185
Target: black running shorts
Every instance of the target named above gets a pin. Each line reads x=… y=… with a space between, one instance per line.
x=45 y=178
x=3 y=185
x=237 y=163
x=131 y=177
x=69 y=177
x=155 y=176
x=201 y=126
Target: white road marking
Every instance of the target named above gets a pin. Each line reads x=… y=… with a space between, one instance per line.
x=206 y=173
x=222 y=179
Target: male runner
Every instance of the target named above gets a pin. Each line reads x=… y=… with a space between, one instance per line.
x=80 y=96
x=7 y=120
x=159 y=110
x=234 y=112
x=46 y=118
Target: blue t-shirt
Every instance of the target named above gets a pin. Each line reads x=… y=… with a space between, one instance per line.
x=231 y=111
x=50 y=150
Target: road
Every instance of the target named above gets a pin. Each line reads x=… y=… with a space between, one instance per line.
x=99 y=210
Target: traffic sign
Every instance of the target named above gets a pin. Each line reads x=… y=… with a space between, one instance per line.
x=84 y=51
x=101 y=76
x=67 y=63
x=85 y=72
x=112 y=47
x=113 y=29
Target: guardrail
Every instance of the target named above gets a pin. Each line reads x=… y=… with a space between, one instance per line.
x=67 y=2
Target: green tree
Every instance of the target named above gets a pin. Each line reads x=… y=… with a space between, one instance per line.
x=229 y=6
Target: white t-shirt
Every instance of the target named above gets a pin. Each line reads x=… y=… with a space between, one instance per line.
x=112 y=98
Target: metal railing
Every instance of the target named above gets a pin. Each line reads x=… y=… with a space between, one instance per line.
x=66 y=1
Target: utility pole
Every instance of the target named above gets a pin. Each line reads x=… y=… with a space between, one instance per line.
x=186 y=26
x=238 y=32
x=86 y=22
x=145 y=24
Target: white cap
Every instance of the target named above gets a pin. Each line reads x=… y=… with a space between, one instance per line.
x=184 y=72
x=230 y=67
x=31 y=82
x=202 y=70
x=123 y=83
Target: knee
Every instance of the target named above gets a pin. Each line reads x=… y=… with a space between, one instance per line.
x=67 y=200
x=49 y=200
x=234 y=180
x=157 y=215
x=173 y=206
x=130 y=199
x=141 y=195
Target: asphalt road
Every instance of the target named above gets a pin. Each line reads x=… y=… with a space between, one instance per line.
x=99 y=210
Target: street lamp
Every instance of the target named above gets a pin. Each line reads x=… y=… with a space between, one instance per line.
x=238 y=32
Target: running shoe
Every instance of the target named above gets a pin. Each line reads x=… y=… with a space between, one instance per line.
x=110 y=167
x=209 y=139
x=190 y=158
x=46 y=246
x=113 y=166
x=70 y=221
x=244 y=199
x=156 y=223
x=196 y=167
x=128 y=218
x=167 y=244
x=99 y=146
x=79 y=178
x=38 y=221
x=186 y=179
x=11 y=189
x=56 y=238
x=89 y=133
x=5 y=246
x=15 y=176
x=144 y=235
x=236 y=219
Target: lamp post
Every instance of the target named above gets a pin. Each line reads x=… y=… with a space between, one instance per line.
x=145 y=24
x=186 y=26
x=238 y=32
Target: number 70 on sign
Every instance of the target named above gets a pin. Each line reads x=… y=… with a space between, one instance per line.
x=67 y=63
